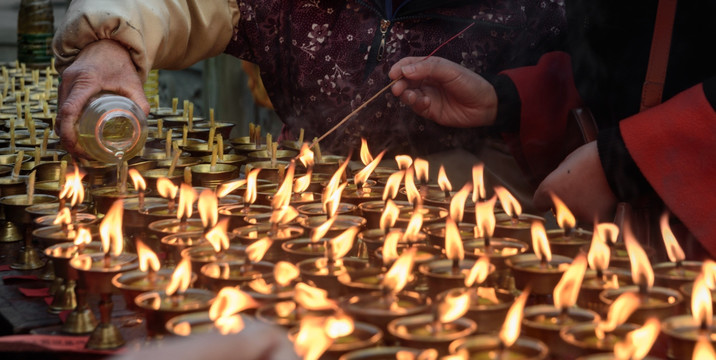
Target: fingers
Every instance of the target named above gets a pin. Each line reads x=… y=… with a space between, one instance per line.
x=396 y=70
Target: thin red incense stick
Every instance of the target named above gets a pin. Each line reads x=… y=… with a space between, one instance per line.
x=384 y=89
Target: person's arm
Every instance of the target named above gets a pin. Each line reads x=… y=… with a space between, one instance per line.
x=107 y=45
x=157 y=33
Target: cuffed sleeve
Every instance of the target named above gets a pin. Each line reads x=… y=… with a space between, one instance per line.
x=673 y=146
x=168 y=34
x=546 y=95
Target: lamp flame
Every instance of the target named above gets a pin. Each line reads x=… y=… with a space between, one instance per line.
x=208 y=208
x=453 y=306
x=187 y=197
x=311 y=340
x=320 y=231
x=403 y=161
x=365 y=156
x=362 y=176
x=332 y=185
x=608 y=232
x=708 y=268
x=701 y=302
x=443 y=180
x=511 y=206
x=181 y=278
x=343 y=243
x=411 y=191
x=137 y=179
x=283 y=215
x=147 y=258
x=389 y=216
x=312 y=298
x=421 y=169
x=250 y=194
x=282 y=198
x=567 y=290
x=284 y=272
x=305 y=155
x=673 y=249
x=229 y=187
x=339 y=326
x=478 y=178
x=64 y=217
x=510 y=330
x=641 y=271
x=166 y=188
x=457 y=203
x=565 y=218
x=392 y=185
x=638 y=342
x=703 y=349
x=73 y=188
x=397 y=277
x=217 y=236
x=540 y=244
x=412 y=231
x=390 y=247
x=110 y=230
x=333 y=201
x=258 y=249
x=453 y=242
x=618 y=313
x=478 y=273
x=485 y=218
x=302 y=182
x=599 y=252
x=84 y=236
x=230 y=301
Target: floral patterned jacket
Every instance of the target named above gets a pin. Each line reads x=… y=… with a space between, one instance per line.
x=320 y=59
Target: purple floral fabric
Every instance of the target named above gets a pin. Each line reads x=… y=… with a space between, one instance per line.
x=317 y=66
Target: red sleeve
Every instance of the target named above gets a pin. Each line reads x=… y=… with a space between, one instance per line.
x=547 y=93
x=674 y=145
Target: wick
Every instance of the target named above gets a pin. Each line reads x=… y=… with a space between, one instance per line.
x=456 y=266
x=563 y=315
x=107 y=260
x=515 y=219
x=170 y=205
x=61 y=204
x=643 y=291
x=175 y=300
x=152 y=277
x=601 y=275
x=487 y=241
x=500 y=353
x=447 y=195
x=568 y=232
x=543 y=263
x=140 y=201
x=331 y=262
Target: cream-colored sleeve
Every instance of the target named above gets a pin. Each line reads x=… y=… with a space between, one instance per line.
x=159 y=34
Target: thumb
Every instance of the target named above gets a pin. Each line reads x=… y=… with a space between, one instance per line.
x=434 y=68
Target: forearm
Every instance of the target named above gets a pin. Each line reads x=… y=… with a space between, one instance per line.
x=157 y=33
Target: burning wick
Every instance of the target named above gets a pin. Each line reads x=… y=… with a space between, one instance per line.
x=330 y=261
x=456 y=266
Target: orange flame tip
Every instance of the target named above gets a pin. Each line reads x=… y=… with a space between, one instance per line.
x=306 y=156
x=608 y=232
x=227 y=188
x=485 y=218
x=187 y=197
x=412 y=231
x=390 y=246
x=457 y=203
x=392 y=185
x=147 y=258
x=320 y=231
x=510 y=330
x=217 y=236
x=166 y=188
x=331 y=203
x=511 y=206
x=618 y=313
x=64 y=217
x=258 y=249
x=397 y=276
x=83 y=236
x=565 y=218
x=208 y=208
x=567 y=290
x=343 y=243
x=453 y=241
x=284 y=272
x=701 y=302
x=637 y=343
x=303 y=182
x=362 y=176
x=390 y=215
x=599 y=252
x=478 y=192
x=703 y=349
x=338 y=326
x=137 y=179
x=479 y=271
x=110 y=230
x=641 y=271
x=230 y=301
x=540 y=244
x=250 y=194
x=443 y=180
x=365 y=156
x=282 y=198
x=673 y=249
x=181 y=278
x=453 y=306
x=312 y=298
x=421 y=169
x=411 y=191
x=403 y=161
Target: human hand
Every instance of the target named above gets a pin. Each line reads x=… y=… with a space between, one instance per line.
x=580 y=182
x=445 y=92
x=103 y=65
